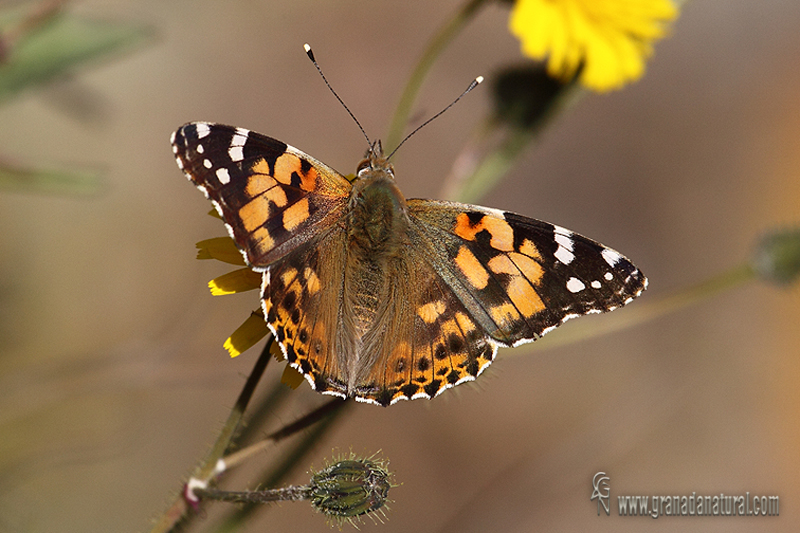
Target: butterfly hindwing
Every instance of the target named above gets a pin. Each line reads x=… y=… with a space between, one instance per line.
x=521 y=277
x=271 y=196
x=442 y=344
x=300 y=297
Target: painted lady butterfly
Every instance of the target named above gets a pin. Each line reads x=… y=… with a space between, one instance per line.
x=380 y=298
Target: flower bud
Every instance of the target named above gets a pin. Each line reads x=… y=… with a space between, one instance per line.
x=524 y=94
x=350 y=488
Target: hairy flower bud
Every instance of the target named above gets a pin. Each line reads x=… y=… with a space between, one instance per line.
x=350 y=488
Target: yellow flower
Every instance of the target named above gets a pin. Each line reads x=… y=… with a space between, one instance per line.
x=254 y=328
x=609 y=40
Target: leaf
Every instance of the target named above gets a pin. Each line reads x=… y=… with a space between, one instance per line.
x=57 y=44
x=79 y=181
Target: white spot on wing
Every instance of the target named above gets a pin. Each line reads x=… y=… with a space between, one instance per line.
x=236 y=150
x=564 y=255
x=236 y=153
x=202 y=129
x=494 y=212
x=172 y=138
x=200 y=149
x=180 y=162
x=575 y=285
x=609 y=276
x=466 y=378
x=328 y=392
x=207 y=163
x=596 y=284
x=223 y=176
x=564 y=239
x=545 y=331
x=612 y=257
x=240 y=138
x=565 y=245
x=569 y=317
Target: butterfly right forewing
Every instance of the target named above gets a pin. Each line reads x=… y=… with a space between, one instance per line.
x=272 y=197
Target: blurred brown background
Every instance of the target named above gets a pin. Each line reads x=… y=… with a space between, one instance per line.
x=113 y=381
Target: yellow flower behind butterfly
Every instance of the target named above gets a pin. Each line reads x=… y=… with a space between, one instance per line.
x=254 y=328
x=608 y=40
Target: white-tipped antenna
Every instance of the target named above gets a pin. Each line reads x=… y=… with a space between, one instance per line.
x=310 y=55
x=477 y=81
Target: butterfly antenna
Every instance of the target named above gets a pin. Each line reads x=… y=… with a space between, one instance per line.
x=310 y=55
x=477 y=81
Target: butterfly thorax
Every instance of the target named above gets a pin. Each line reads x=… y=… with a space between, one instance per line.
x=377 y=215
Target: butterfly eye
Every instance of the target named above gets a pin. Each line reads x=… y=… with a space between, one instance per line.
x=362 y=168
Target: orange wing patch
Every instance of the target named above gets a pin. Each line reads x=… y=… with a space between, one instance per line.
x=471 y=268
x=295 y=214
x=502 y=235
x=528 y=248
x=520 y=289
x=289 y=168
x=431 y=311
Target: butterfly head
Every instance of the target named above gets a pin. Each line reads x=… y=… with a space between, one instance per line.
x=377 y=207
x=374 y=162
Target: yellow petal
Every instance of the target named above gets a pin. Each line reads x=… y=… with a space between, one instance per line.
x=291 y=377
x=222 y=249
x=610 y=39
x=240 y=280
x=247 y=335
x=276 y=352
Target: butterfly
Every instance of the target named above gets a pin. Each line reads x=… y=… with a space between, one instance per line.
x=381 y=298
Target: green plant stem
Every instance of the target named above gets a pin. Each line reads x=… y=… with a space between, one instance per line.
x=435 y=47
x=260 y=413
x=494 y=166
x=652 y=309
x=292 y=493
x=177 y=512
x=286 y=431
x=491 y=164
x=236 y=519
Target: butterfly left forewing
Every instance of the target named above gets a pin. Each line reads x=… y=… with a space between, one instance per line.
x=521 y=277
x=272 y=197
